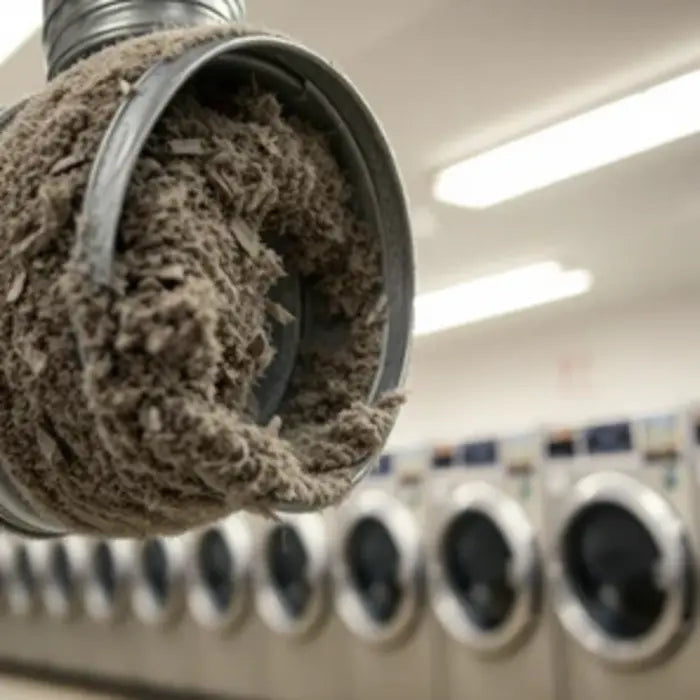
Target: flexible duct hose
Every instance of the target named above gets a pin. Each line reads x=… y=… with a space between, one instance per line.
x=74 y=29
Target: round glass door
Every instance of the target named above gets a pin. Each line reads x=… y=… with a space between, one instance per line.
x=218 y=571
x=292 y=590
x=379 y=570
x=485 y=567
x=374 y=564
x=477 y=560
x=623 y=579
x=287 y=561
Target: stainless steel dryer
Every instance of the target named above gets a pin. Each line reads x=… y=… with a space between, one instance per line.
x=380 y=582
x=157 y=626
x=624 y=562
x=48 y=579
x=158 y=589
x=61 y=568
x=112 y=609
x=226 y=636
x=493 y=635
x=305 y=653
x=131 y=625
x=21 y=584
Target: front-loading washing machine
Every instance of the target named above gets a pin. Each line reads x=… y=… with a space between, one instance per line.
x=158 y=585
x=107 y=604
x=108 y=579
x=44 y=584
x=21 y=583
x=81 y=592
x=379 y=574
x=156 y=627
x=624 y=560
x=305 y=652
x=60 y=567
x=494 y=634
x=223 y=633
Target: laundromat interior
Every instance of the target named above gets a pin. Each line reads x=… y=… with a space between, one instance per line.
x=532 y=527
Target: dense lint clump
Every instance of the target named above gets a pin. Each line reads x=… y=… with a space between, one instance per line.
x=130 y=408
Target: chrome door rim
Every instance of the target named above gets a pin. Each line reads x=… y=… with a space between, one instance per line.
x=20 y=600
x=517 y=530
x=402 y=524
x=146 y=605
x=98 y=605
x=237 y=534
x=665 y=527
x=53 y=596
x=311 y=529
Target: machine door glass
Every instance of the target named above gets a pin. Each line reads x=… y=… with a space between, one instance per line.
x=219 y=563
x=216 y=565
x=623 y=578
x=477 y=560
x=485 y=567
x=374 y=562
x=287 y=562
x=156 y=570
x=612 y=562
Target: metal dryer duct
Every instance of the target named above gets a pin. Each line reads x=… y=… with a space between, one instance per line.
x=305 y=84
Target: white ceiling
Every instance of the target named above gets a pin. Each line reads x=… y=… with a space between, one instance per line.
x=448 y=79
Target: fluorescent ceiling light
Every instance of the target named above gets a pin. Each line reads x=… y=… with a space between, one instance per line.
x=21 y=19
x=620 y=129
x=497 y=295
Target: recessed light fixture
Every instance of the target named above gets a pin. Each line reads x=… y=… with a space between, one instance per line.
x=22 y=20
x=640 y=122
x=497 y=295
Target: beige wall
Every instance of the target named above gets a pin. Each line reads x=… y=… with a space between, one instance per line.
x=23 y=72
x=638 y=358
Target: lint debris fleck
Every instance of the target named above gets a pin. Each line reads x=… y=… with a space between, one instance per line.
x=246 y=237
x=17 y=287
x=187 y=147
x=279 y=313
x=68 y=163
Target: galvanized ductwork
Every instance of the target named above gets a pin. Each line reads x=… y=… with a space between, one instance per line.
x=74 y=29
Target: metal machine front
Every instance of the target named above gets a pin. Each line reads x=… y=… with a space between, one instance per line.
x=218 y=571
x=622 y=569
x=159 y=579
x=60 y=565
x=379 y=567
x=485 y=572
x=293 y=574
x=108 y=579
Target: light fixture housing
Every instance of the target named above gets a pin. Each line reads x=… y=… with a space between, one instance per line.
x=639 y=122
x=496 y=295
